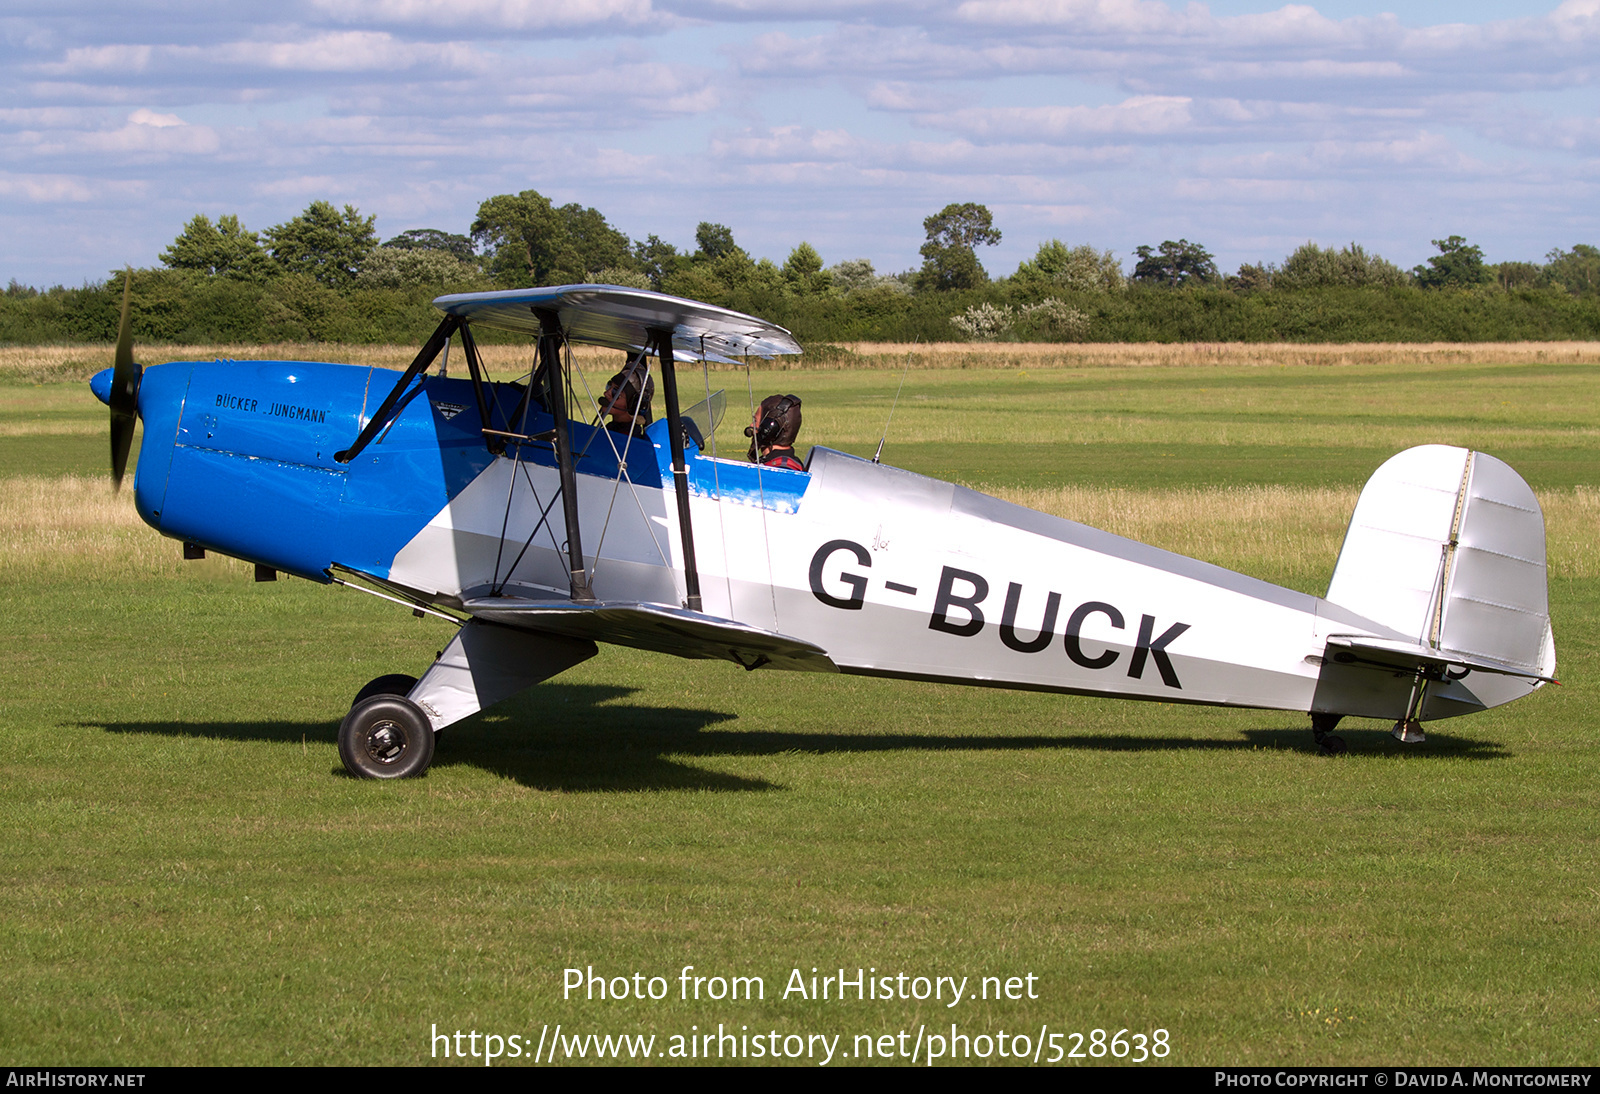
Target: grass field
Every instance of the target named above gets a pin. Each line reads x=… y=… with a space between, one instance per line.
x=188 y=876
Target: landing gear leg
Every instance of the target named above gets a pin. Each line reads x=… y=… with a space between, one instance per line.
x=1322 y=726
x=1408 y=730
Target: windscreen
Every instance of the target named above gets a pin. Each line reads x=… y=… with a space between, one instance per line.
x=706 y=415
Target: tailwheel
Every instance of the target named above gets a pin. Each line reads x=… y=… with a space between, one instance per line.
x=386 y=737
x=1408 y=731
x=1322 y=726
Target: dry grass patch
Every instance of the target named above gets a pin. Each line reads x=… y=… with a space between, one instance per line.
x=1299 y=529
x=72 y=523
x=1570 y=520
x=47 y=364
x=43 y=364
x=1001 y=355
x=51 y=429
x=1247 y=528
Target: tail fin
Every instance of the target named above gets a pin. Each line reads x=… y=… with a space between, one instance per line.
x=1447 y=547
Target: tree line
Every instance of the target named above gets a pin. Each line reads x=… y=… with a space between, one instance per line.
x=325 y=275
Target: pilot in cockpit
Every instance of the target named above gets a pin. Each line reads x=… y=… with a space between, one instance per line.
x=773 y=430
x=626 y=403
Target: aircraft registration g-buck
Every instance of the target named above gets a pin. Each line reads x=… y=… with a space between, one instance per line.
x=540 y=534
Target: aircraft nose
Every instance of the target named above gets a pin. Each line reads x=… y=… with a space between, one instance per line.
x=100 y=384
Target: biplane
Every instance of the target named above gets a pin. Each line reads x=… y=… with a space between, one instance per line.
x=539 y=533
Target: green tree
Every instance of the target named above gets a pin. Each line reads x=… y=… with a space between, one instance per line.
x=324 y=243
x=223 y=249
x=432 y=239
x=1252 y=277
x=803 y=271
x=1081 y=269
x=591 y=244
x=1457 y=265
x=949 y=257
x=625 y=276
x=1312 y=267
x=855 y=275
x=516 y=233
x=1517 y=275
x=658 y=260
x=1180 y=263
x=714 y=241
x=1577 y=270
x=529 y=241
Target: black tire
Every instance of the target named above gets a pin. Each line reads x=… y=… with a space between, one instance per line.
x=396 y=683
x=1332 y=746
x=386 y=737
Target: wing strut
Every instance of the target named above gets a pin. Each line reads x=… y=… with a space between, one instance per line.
x=476 y=370
x=425 y=357
x=680 y=473
x=550 y=364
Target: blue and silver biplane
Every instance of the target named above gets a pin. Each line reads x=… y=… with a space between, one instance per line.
x=540 y=533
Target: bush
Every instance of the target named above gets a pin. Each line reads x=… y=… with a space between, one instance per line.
x=1054 y=320
x=1311 y=267
x=411 y=267
x=985 y=322
x=1077 y=269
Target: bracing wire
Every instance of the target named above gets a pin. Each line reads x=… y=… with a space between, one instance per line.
x=511 y=488
x=716 y=476
x=642 y=360
x=766 y=537
x=878 y=455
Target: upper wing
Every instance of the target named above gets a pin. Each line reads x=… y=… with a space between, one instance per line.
x=658 y=627
x=619 y=318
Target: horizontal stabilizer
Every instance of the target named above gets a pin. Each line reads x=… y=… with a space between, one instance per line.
x=658 y=627
x=1409 y=656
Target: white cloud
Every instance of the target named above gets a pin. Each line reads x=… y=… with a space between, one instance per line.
x=125 y=60
x=1142 y=116
x=513 y=15
x=1135 y=118
x=47 y=188
x=791 y=144
x=902 y=96
x=143 y=116
x=1086 y=16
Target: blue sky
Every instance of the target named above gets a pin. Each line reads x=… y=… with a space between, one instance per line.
x=1245 y=127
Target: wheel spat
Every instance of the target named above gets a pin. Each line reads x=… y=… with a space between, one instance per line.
x=125 y=376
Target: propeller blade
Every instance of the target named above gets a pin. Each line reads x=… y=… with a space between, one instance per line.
x=125 y=376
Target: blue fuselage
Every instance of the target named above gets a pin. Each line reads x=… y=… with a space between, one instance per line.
x=239 y=457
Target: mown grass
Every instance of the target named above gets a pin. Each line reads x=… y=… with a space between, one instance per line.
x=188 y=877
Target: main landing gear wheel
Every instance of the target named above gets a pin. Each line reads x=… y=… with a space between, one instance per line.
x=386 y=737
x=1322 y=726
x=396 y=683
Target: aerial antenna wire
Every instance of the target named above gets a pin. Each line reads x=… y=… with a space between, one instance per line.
x=877 y=456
